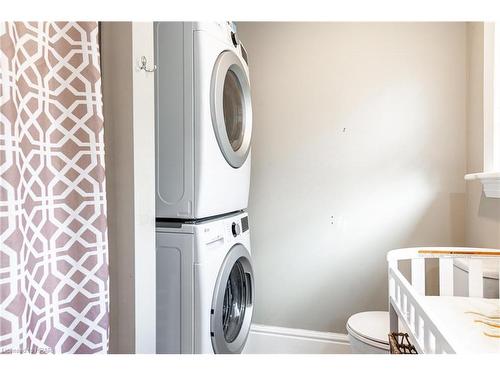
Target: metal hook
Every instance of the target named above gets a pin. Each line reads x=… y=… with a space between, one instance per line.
x=143 y=66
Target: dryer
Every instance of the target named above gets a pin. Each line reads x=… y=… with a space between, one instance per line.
x=203 y=120
x=204 y=285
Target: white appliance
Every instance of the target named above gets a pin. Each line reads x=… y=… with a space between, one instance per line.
x=203 y=120
x=204 y=285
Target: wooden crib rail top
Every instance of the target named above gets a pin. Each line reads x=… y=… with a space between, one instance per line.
x=437 y=252
x=461 y=252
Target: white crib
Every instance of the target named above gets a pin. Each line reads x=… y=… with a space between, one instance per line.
x=444 y=323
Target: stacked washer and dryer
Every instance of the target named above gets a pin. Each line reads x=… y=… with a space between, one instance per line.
x=205 y=284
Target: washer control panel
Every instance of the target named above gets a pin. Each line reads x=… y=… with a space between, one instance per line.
x=235 y=229
x=244 y=223
x=216 y=233
x=239 y=226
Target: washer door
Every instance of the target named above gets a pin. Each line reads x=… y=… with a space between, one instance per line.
x=231 y=108
x=232 y=304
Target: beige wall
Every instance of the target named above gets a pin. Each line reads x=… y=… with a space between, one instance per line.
x=358 y=148
x=116 y=62
x=128 y=96
x=482 y=214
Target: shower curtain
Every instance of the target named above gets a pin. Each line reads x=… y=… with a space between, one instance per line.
x=53 y=236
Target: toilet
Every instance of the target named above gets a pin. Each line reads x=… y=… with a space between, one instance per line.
x=368 y=332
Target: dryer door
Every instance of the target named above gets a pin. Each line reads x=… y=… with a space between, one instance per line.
x=231 y=108
x=232 y=304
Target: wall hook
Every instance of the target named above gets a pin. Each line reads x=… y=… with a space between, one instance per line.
x=143 y=65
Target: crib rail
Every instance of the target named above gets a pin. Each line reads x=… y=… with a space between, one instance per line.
x=406 y=299
x=446 y=256
x=420 y=327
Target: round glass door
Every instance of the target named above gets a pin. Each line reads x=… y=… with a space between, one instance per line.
x=231 y=108
x=232 y=305
x=232 y=103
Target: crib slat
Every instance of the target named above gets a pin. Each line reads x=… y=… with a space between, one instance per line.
x=393 y=264
x=418 y=274
x=446 y=276
x=475 y=278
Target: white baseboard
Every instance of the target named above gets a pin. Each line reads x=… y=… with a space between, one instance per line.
x=280 y=340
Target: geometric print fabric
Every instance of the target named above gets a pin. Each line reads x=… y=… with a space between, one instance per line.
x=54 y=286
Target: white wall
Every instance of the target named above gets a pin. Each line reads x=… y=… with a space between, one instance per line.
x=144 y=190
x=130 y=182
x=358 y=148
x=482 y=214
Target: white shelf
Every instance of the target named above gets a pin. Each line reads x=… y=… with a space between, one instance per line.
x=490 y=181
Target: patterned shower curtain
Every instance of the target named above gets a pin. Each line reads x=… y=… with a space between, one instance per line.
x=53 y=236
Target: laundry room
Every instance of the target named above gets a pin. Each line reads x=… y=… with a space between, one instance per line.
x=250 y=187
x=333 y=144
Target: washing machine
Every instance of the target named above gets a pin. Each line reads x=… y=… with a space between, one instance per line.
x=203 y=120
x=204 y=285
